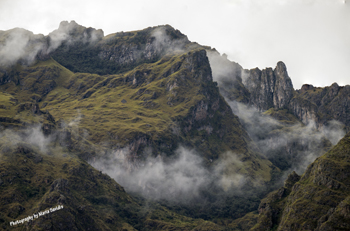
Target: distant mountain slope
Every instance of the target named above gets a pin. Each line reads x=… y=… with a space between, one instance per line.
x=273 y=88
x=158 y=105
x=174 y=123
x=319 y=200
x=323 y=104
x=138 y=98
x=85 y=51
x=36 y=176
x=278 y=118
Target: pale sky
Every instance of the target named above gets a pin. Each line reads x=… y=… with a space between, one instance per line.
x=312 y=37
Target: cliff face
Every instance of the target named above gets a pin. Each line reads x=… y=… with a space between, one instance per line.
x=273 y=88
x=142 y=94
x=136 y=97
x=119 y=52
x=269 y=88
x=263 y=99
x=164 y=97
x=148 y=45
x=323 y=104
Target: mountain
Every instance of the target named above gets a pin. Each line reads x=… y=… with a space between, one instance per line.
x=146 y=130
x=141 y=101
x=36 y=179
x=277 y=117
x=167 y=99
x=273 y=89
x=317 y=117
x=318 y=200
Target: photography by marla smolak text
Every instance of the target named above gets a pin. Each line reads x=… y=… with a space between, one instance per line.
x=36 y=215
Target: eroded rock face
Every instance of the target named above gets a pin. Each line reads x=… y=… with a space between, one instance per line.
x=269 y=88
x=145 y=46
x=322 y=105
x=283 y=91
x=304 y=110
x=273 y=88
x=60 y=185
x=70 y=33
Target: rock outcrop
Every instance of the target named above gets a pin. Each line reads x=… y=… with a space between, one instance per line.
x=148 y=45
x=273 y=88
x=325 y=104
x=269 y=88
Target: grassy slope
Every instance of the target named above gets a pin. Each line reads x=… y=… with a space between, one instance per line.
x=323 y=186
x=106 y=110
x=160 y=106
x=14 y=114
x=319 y=200
x=33 y=181
x=157 y=101
x=151 y=101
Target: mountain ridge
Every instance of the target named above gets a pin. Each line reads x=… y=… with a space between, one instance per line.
x=173 y=114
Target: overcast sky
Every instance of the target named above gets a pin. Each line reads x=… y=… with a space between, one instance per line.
x=312 y=37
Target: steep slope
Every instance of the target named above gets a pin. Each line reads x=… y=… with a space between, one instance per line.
x=273 y=88
x=33 y=182
x=185 y=122
x=158 y=105
x=20 y=115
x=138 y=97
x=86 y=50
x=262 y=100
x=318 y=201
x=322 y=104
x=37 y=177
x=269 y=88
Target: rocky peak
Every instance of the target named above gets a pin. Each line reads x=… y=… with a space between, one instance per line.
x=334 y=89
x=19 y=46
x=269 y=88
x=283 y=86
x=281 y=70
x=306 y=87
x=70 y=33
x=146 y=45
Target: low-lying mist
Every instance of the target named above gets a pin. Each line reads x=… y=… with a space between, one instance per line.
x=290 y=145
x=20 y=45
x=33 y=135
x=181 y=178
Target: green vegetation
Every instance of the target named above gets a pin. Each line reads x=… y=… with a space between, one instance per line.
x=125 y=92
x=115 y=53
x=33 y=181
x=283 y=116
x=163 y=104
x=316 y=201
